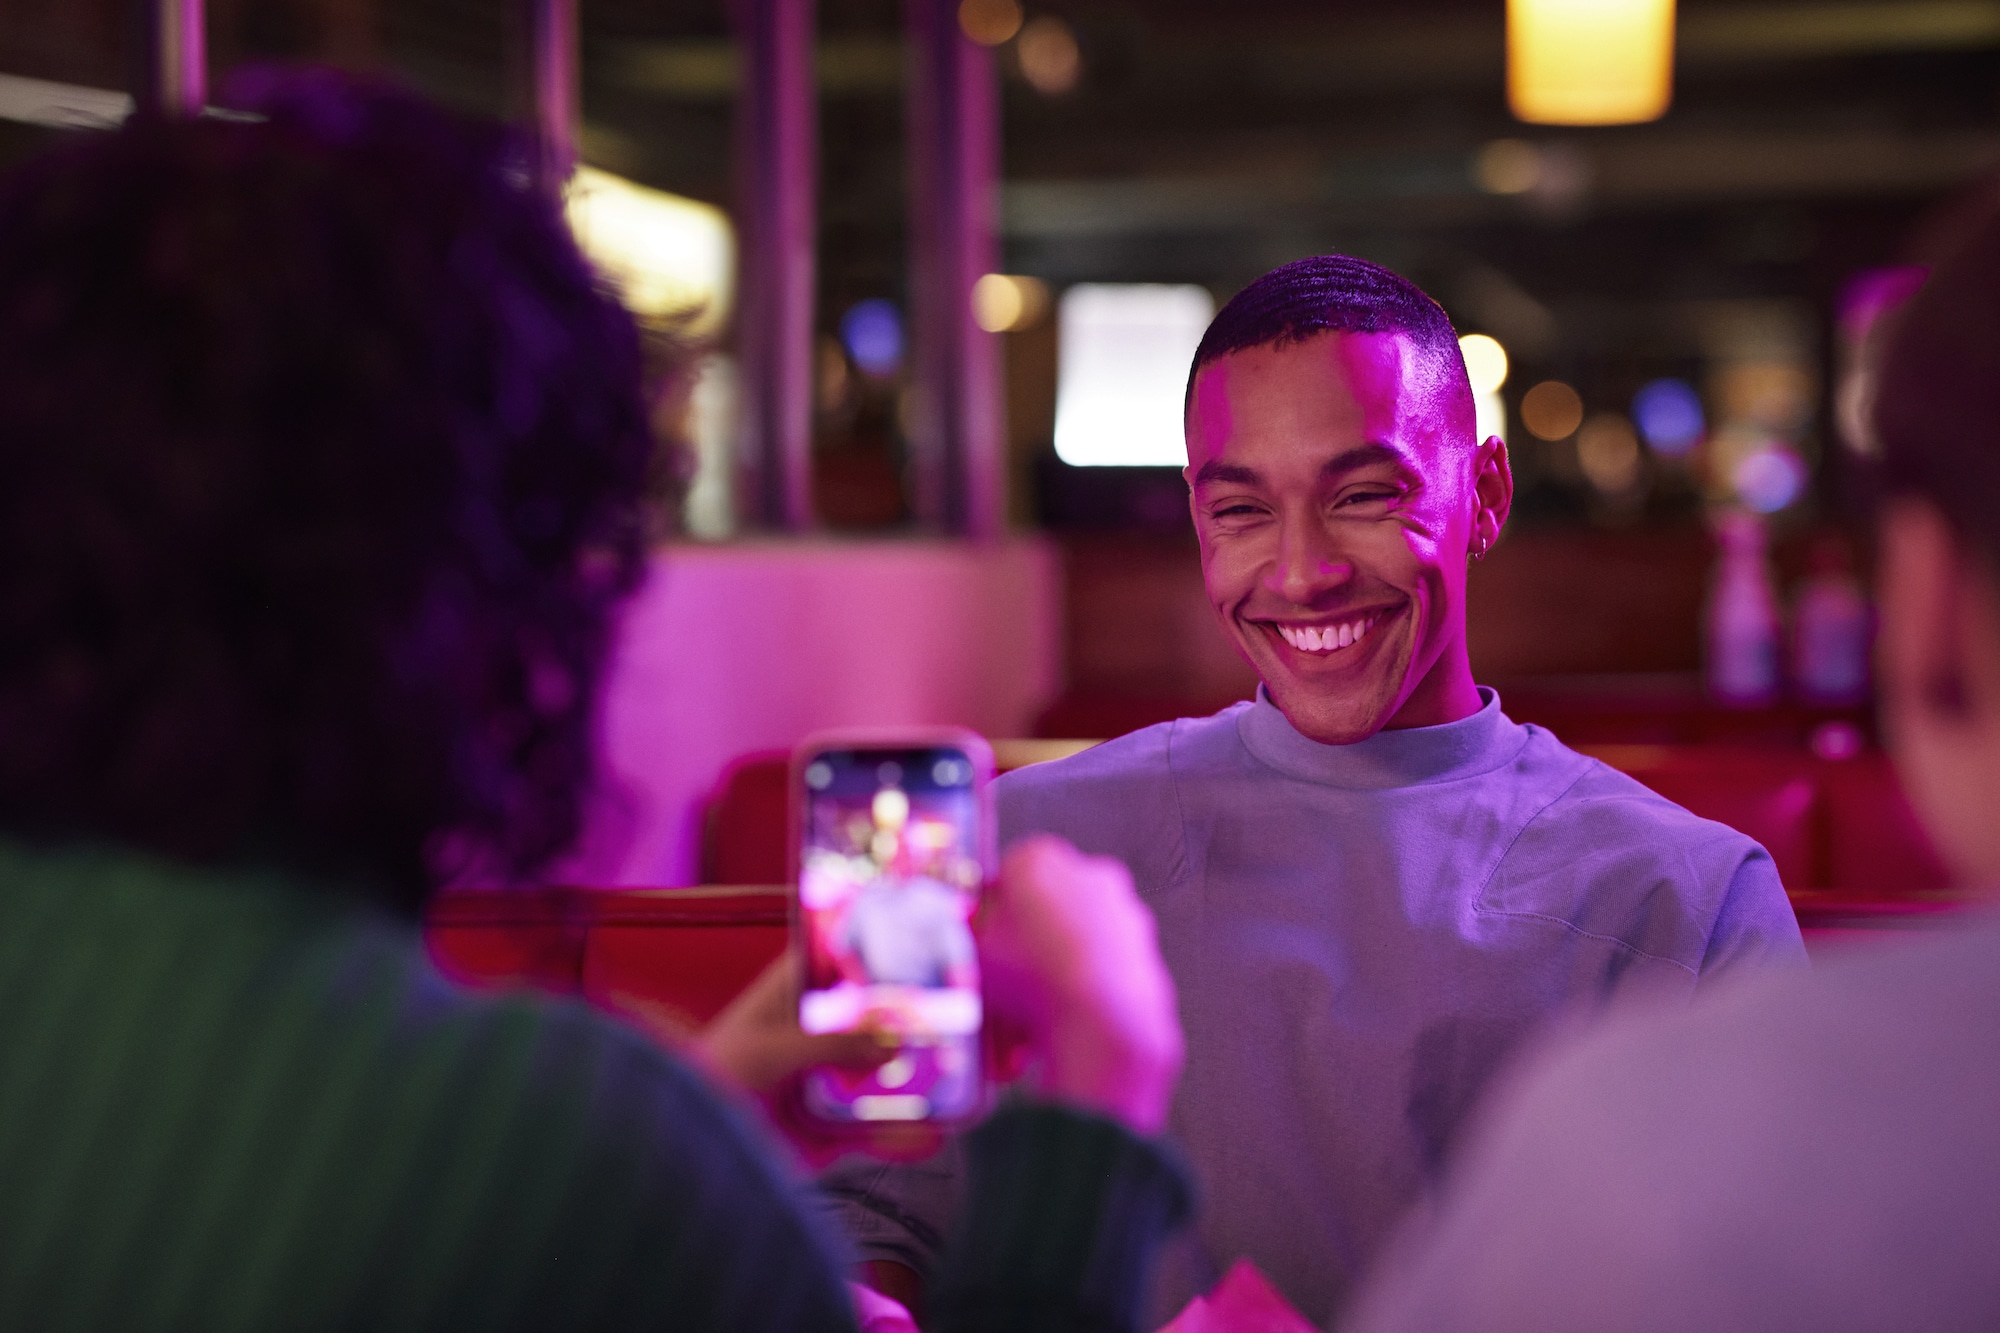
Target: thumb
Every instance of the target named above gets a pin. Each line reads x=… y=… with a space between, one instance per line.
x=863 y=1049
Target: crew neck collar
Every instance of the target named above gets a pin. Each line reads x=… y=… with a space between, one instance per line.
x=1406 y=757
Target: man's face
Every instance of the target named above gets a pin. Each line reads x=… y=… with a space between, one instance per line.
x=1334 y=494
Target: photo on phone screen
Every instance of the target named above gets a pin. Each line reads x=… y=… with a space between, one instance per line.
x=889 y=876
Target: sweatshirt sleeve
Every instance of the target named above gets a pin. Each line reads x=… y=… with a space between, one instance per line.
x=1066 y=1214
x=1755 y=926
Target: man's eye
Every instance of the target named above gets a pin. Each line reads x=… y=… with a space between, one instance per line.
x=1236 y=511
x=1368 y=497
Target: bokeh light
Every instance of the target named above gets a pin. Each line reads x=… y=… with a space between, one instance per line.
x=1485 y=362
x=1507 y=166
x=667 y=257
x=989 y=22
x=1770 y=477
x=1051 y=61
x=1122 y=354
x=1608 y=452
x=1590 y=62
x=872 y=332
x=1669 y=416
x=1551 y=410
x=1007 y=302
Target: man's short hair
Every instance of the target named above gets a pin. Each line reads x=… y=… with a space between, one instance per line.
x=1937 y=400
x=1336 y=294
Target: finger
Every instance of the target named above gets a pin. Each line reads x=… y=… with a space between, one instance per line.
x=776 y=988
x=847 y=1050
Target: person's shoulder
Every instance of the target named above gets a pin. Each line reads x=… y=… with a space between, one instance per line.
x=1605 y=797
x=1761 y=1160
x=1886 y=1050
x=1120 y=798
x=625 y=1150
x=558 y=1120
x=1607 y=856
x=1137 y=758
x=1600 y=811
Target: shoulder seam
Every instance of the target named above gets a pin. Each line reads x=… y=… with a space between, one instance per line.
x=1479 y=899
x=1579 y=931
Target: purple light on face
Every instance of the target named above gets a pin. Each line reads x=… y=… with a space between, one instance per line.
x=1769 y=478
x=872 y=332
x=1668 y=414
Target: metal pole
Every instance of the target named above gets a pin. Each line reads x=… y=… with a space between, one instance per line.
x=173 y=57
x=776 y=181
x=957 y=449
x=546 y=85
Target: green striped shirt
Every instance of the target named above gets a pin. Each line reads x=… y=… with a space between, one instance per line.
x=235 y=1103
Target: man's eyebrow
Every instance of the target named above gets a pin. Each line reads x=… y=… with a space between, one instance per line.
x=1362 y=455
x=1232 y=474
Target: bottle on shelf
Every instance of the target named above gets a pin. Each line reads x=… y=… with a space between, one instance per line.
x=1741 y=619
x=1831 y=628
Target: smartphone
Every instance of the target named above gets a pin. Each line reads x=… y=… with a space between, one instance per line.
x=893 y=841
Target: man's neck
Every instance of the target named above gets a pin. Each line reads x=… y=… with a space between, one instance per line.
x=1445 y=694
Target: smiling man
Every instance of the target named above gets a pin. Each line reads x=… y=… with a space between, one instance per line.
x=1338 y=490
x=1370 y=885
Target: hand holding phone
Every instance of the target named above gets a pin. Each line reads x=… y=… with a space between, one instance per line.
x=757 y=1046
x=1077 y=993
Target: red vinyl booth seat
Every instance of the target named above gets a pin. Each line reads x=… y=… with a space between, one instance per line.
x=681 y=954
x=527 y=937
x=743 y=832
x=672 y=956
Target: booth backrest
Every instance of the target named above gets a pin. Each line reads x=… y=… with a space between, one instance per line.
x=519 y=937
x=681 y=954
x=677 y=955
x=743 y=829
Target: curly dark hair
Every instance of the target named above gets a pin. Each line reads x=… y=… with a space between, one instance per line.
x=1335 y=294
x=321 y=455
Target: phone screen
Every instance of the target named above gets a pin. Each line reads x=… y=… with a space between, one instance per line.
x=889 y=876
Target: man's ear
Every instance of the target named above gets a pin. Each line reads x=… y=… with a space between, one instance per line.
x=1492 y=494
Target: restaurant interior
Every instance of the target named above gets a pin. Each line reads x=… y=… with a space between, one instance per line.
x=938 y=267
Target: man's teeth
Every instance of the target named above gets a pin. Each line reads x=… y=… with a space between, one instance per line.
x=1324 y=638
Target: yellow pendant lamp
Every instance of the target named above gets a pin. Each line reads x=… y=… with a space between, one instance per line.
x=1590 y=62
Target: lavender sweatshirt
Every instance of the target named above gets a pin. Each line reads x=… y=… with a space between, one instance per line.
x=1360 y=935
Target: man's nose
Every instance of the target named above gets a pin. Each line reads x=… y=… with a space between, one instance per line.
x=1309 y=565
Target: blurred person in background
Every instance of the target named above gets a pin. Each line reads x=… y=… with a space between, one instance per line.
x=322 y=458
x=1817 y=1152
x=1371 y=885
